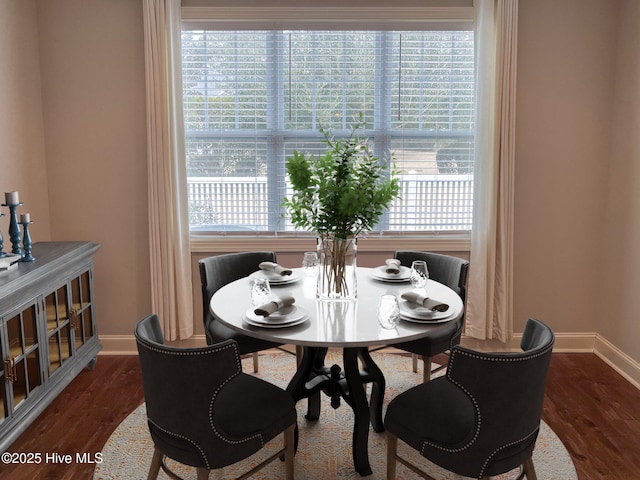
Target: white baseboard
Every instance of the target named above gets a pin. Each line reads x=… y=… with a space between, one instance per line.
x=586 y=342
x=618 y=360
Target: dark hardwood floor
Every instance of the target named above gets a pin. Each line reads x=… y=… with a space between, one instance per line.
x=596 y=414
x=592 y=409
x=80 y=420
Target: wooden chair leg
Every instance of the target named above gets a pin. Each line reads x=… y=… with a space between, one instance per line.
x=392 y=450
x=529 y=469
x=289 y=451
x=414 y=361
x=156 y=461
x=203 y=474
x=426 y=365
x=255 y=362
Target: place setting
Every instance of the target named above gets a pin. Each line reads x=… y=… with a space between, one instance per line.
x=391 y=272
x=414 y=305
x=276 y=274
x=277 y=313
x=272 y=312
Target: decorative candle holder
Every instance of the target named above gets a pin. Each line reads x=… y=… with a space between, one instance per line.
x=14 y=229
x=2 y=254
x=26 y=241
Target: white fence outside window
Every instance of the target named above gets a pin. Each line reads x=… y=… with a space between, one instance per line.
x=426 y=203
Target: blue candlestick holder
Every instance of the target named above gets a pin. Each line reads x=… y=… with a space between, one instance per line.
x=14 y=229
x=26 y=241
x=2 y=254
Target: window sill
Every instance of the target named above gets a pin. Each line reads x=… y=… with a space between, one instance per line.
x=441 y=242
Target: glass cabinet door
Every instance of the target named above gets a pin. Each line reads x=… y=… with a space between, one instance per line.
x=70 y=319
x=58 y=307
x=4 y=408
x=21 y=365
x=82 y=316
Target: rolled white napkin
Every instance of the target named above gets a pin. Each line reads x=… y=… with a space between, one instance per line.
x=274 y=305
x=393 y=266
x=425 y=301
x=274 y=267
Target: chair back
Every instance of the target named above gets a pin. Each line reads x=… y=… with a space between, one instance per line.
x=507 y=390
x=452 y=272
x=446 y=269
x=219 y=270
x=181 y=387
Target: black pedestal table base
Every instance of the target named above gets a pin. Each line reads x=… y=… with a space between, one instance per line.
x=313 y=377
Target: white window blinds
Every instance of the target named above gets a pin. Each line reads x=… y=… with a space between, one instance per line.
x=252 y=97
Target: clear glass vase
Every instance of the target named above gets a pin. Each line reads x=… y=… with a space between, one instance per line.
x=337 y=268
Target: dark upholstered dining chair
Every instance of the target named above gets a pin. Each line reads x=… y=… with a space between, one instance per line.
x=452 y=272
x=203 y=411
x=215 y=273
x=482 y=418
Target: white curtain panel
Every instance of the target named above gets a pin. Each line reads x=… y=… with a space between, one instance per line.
x=489 y=312
x=171 y=289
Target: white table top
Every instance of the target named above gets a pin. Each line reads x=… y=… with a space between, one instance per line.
x=332 y=324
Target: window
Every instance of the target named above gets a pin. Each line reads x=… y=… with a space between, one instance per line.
x=252 y=97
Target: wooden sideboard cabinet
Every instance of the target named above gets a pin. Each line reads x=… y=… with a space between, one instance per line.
x=48 y=330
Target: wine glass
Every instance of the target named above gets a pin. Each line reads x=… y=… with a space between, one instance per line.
x=419 y=274
x=310 y=263
x=260 y=291
x=388 y=311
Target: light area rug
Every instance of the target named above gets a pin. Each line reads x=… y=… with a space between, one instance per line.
x=324 y=450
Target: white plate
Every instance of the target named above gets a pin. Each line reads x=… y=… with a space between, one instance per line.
x=277 y=325
x=277 y=279
x=417 y=313
x=285 y=317
x=380 y=273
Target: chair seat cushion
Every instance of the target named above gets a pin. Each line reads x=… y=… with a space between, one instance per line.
x=437 y=412
x=250 y=406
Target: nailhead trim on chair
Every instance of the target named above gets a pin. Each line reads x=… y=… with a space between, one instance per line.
x=475 y=435
x=182 y=437
x=493 y=454
x=205 y=351
x=506 y=358
x=213 y=427
x=189 y=351
x=488 y=358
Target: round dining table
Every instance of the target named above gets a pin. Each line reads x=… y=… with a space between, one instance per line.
x=352 y=326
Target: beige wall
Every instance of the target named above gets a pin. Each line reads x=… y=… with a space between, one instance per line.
x=22 y=151
x=619 y=301
x=91 y=100
x=572 y=86
x=94 y=111
x=566 y=54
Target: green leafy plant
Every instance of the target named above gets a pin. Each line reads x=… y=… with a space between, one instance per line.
x=339 y=195
x=343 y=192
